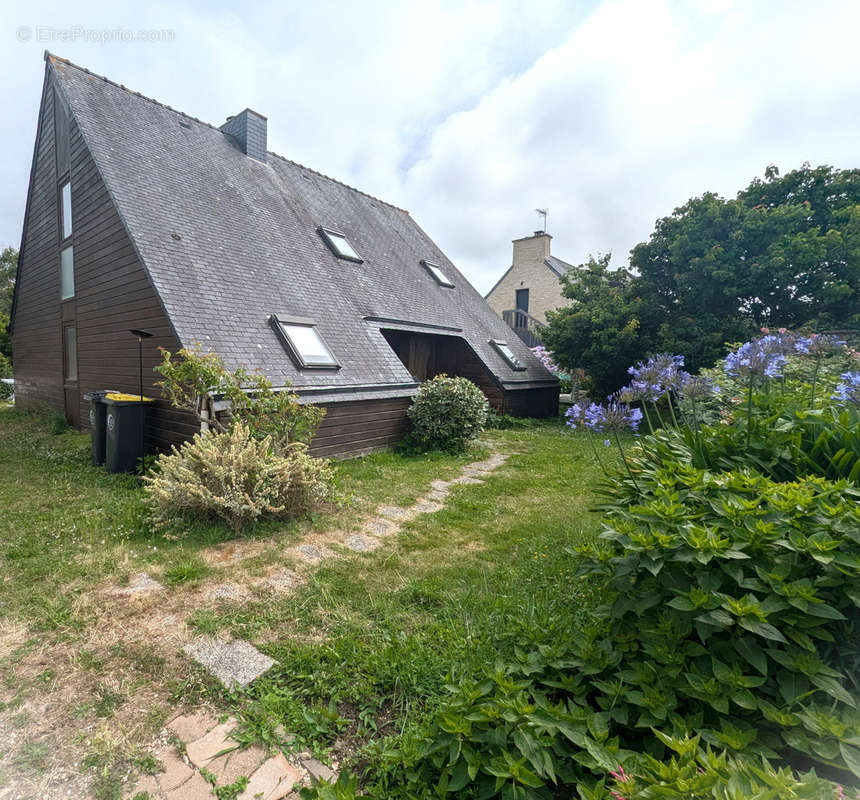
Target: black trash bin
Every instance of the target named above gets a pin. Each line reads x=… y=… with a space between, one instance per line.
x=125 y=425
x=97 y=423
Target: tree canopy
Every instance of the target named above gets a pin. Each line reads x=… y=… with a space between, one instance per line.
x=8 y=269
x=784 y=253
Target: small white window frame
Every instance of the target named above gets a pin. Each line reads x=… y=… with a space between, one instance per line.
x=437 y=274
x=511 y=360
x=280 y=323
x=327 y=236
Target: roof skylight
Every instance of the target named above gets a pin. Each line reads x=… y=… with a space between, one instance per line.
x=506 y=353
x=436 y=271
x=340 y=245
x=303 y=342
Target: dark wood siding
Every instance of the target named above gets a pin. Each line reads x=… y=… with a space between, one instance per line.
x=37 y=343
x=113 y=293
x=541 y=402
x=361 y=426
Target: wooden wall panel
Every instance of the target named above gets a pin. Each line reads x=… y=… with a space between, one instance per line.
x=113 y=293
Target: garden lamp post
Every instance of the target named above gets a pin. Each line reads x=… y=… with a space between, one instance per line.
x=141 y=335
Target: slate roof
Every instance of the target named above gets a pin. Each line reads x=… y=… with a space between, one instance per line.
x=249 y=247
x=559 y=267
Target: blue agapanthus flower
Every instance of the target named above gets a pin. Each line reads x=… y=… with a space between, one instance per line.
x=613 y=416
x=848 y=391
x=754 y=360
x=653 y=378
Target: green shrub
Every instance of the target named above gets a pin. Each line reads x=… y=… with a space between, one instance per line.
x=732 y=603
x=237 y=478
x=702 y=773
x=447 y=413
x=5 y=372
x=57 y=424
x=192 y=378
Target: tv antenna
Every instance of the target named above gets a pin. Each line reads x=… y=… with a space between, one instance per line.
x=543 y=212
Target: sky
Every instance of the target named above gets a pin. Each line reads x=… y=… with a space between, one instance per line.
x=473 y=114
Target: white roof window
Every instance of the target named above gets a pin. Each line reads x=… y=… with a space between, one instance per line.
x=504 y=350
x=303 y=342
x=436 y=271
x=339 y=245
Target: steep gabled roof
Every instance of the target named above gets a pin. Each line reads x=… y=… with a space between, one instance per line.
x=228 y=240
x=556 y=265
x=559 y=267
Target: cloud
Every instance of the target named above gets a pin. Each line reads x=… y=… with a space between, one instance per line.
x=643 y=106
x=473 y=114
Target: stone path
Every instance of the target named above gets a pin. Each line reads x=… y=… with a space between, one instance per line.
x=209 y=752
x=212 y=758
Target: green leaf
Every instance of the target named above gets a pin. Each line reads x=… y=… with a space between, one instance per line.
x=752 y=653
x=834 y=688
x=851 y=757
x=764 y=629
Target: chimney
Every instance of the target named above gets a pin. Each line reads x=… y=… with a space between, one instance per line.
x=532 y=249
x=249 y=131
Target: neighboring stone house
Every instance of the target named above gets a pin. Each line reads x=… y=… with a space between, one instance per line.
x=530 y=287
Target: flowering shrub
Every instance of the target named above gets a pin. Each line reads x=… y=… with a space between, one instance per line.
x=447 y=413
x=191 y=378
x=236 y=478
x=574 y=382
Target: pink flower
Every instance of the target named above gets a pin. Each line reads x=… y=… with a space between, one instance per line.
x=783 y=330
x=765 y=330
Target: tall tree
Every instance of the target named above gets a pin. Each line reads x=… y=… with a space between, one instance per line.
x=8 y=270
x=784 y=252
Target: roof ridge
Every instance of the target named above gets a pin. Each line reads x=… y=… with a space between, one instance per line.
x=340 y=183
x=49 y=56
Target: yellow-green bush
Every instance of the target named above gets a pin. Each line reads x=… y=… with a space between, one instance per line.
x=236 y=478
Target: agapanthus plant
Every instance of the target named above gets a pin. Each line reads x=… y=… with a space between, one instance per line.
x=848 y=390
x=613 y=417
x=660 y=376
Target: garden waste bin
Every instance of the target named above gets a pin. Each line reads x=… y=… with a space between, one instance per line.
x=125 y=424
x=97 y=423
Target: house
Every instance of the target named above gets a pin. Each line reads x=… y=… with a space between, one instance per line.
x=530 y=287
x=141 y=217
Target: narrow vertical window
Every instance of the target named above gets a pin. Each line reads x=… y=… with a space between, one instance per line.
x=71 y=353
x=66 y=209
x=67 y=271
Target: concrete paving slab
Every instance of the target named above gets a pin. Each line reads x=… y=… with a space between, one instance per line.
x=362 y=544
x=233 y=663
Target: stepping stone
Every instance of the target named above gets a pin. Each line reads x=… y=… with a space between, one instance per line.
x=233 y=663
x=312 y=553
x=437 y=496
x=188 y=727
x=466 y=481
x=148 y=784
x=226 y=591
x=272 y=780
x=318 y=770
x=213 y=744
x=427 y=507
x=232 y=766
x=496 y=460
x=361 y=544
x=440 y=486
x=395 y=512
x=381 y=527
x=283 y=581
x=197 y=788
x=140 y=584
x=176 y=771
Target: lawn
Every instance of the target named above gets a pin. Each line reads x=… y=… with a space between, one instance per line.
x=364 y=645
